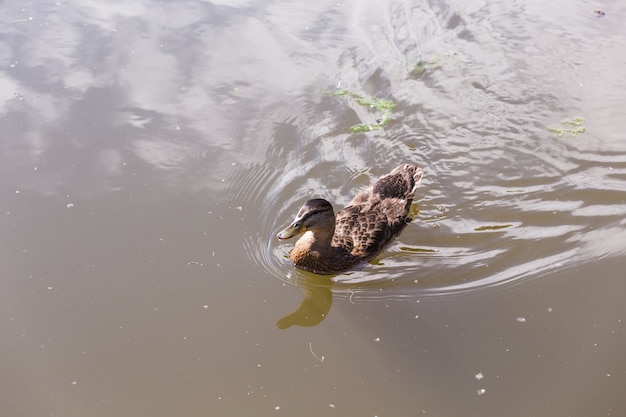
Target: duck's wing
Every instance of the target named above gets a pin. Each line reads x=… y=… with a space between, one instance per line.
x=364 y=230
x=377 y=214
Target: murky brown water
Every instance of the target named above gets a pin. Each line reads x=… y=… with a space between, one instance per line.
x=151 y=150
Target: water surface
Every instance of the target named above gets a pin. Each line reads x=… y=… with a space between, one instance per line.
x=151 y=150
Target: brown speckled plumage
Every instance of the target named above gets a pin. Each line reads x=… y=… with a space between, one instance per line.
x=333 y=244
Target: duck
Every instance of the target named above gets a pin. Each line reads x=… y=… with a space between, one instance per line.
x=332 y=244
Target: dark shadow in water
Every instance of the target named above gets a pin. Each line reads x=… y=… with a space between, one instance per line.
x=318 y=298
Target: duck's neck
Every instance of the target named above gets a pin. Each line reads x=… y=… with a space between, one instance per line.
x=319 y=241
x=312 y=249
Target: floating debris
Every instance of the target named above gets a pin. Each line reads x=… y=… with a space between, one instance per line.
x=409 y=249
x=497 y=227
x=319 y=358
x=572 y=127
x=379 y=104
x=420 y=68
x=599 y=12
x=21 y=20
x=437 y=62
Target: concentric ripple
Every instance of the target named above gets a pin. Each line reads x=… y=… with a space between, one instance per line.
x=503 y=200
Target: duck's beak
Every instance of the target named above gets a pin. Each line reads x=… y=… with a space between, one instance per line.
x=292 y=230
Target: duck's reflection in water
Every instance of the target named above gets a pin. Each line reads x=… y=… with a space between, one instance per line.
x=318 y=298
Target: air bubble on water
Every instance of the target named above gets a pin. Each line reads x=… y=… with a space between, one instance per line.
x=521 y=319
x=479 y=376
x=481 y=391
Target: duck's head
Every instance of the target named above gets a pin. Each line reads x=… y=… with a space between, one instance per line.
x=315 y=215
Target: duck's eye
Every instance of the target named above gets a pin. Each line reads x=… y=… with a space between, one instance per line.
x=296 y=225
